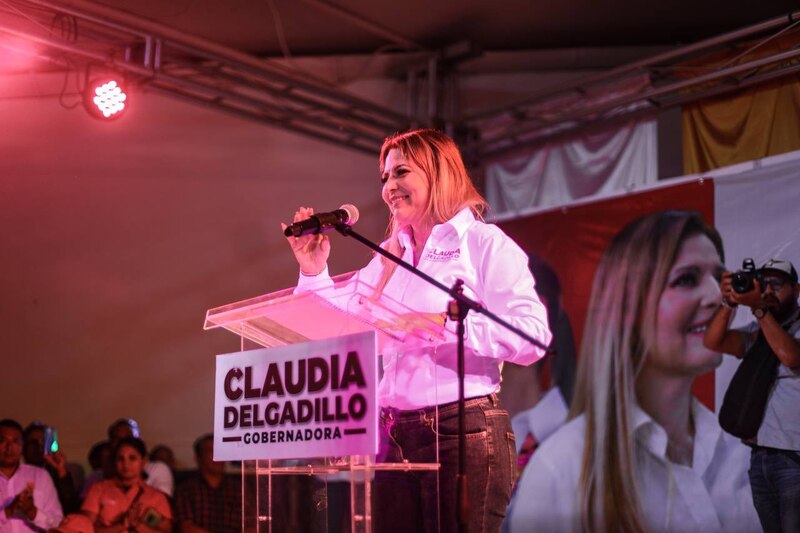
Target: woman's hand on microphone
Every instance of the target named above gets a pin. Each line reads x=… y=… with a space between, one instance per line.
x=311 y=251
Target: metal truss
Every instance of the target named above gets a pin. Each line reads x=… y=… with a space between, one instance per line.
x=638 y=89
x=78 y=32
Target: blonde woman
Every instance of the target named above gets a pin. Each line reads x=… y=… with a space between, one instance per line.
x=436 y=224
x=640 y=453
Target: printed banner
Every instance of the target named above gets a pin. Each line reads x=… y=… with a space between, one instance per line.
x=314 y=399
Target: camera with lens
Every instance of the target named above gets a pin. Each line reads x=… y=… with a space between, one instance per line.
x=742 y=280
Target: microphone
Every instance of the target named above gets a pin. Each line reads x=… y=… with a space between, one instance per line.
x=323 y=222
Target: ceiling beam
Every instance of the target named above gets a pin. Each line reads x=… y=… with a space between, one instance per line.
x=191 y=68
x=177 y=63
x=569 y=108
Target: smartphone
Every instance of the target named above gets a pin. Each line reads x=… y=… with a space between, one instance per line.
x=50 y=440
x=151 y=517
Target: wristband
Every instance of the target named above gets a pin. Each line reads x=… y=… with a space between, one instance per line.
x=760 y=312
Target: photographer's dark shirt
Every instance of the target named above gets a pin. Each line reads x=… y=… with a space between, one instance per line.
x=781 y=425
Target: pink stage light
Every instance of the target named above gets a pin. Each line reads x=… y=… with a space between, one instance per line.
x=106 y=99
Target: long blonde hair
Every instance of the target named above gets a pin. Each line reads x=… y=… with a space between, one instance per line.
x=451 y=188
x=619 y=333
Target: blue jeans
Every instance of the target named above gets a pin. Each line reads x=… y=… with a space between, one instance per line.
x=427 y=501
x=775 y=482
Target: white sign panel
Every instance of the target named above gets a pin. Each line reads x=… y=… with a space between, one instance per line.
x=314 y=399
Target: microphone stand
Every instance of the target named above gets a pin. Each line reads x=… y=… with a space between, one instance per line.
x=457 y=310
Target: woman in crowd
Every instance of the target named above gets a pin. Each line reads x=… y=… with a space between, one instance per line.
x=124 y=503
x=436 y=224
x=640 y=453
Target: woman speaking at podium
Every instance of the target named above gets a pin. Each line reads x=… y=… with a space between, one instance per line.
x=436 y=224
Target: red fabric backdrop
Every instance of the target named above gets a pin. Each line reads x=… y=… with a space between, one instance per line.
x=573 y=239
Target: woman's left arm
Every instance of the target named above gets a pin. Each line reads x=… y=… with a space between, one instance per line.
x=506 y=287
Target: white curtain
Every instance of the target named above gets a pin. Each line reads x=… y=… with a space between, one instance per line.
x=557 y=174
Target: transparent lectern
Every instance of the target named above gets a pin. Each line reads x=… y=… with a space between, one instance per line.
x=323 y=493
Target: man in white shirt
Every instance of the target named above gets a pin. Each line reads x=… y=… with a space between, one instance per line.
x=28 y=498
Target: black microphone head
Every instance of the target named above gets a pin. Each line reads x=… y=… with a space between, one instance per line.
x=352 y=213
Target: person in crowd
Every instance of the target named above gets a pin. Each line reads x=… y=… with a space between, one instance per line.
x=640 y=453
x=55 y=462
x=157 y=474
x=436 y=224
x=163 y=453
x=775 y=455
x=125 y=502
x=28 y=498
x=102 y=463
x=210 y=500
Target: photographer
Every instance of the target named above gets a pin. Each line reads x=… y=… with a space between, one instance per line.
x=771 y=293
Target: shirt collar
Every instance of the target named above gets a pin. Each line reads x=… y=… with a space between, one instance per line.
x=460 y=222
x=14 y=473
x=707 y=432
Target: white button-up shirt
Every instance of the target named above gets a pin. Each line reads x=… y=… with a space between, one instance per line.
x=713 y=494
x=45 y=498
x=495 y=273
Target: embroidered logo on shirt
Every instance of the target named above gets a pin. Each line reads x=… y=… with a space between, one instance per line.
x=442 y=255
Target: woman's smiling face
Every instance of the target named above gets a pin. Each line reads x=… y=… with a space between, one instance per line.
x=687 y=303
x=406 y=189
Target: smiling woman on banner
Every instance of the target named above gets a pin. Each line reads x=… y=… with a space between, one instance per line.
x=436 y=224
x=640 y=453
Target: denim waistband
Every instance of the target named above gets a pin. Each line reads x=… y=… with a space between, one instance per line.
x=391 y=413
x=793 y=455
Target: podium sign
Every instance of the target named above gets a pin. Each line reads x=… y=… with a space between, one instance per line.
x=312 y=399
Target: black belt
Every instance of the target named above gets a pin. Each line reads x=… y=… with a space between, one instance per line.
x=391 y=413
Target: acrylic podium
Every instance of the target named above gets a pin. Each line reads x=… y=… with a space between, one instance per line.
x=329 y=493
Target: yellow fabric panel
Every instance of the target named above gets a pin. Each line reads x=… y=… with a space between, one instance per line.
x=747 y=125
